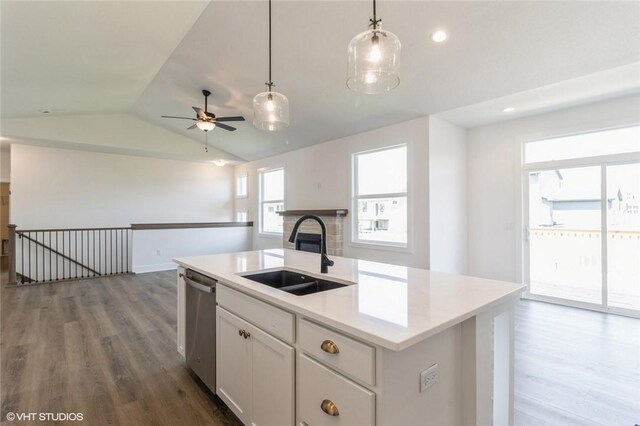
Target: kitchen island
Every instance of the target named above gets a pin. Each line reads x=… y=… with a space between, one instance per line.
x=395 y=346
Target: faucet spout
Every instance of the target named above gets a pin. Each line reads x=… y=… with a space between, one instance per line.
x=325 y=262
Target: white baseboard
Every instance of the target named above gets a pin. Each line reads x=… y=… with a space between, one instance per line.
x=141 y=269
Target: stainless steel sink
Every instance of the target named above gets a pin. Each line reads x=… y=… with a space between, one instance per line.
x=293 y=282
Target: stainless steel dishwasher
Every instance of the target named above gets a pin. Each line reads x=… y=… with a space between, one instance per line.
x=200 y=333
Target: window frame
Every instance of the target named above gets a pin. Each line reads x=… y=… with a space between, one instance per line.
x=261 y=200
x=244 y=175
x=355 y=197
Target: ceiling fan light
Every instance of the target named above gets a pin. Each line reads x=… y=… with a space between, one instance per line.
x=271 y=111
x=374 y=61
x=205 y=125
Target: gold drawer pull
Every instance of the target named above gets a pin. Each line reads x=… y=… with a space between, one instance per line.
x=330 y=347
x=329 y=408
x=244 y=334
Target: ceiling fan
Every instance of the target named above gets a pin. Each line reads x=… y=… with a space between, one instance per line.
x=206 y=120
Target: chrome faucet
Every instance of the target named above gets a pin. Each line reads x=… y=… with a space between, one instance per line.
x=325 y=262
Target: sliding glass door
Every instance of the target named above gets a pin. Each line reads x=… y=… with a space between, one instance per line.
x=623 y=236
x=582 y=220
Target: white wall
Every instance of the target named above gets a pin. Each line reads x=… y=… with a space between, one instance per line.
x=58 y=188
x=447 y=196
x=67 y=188
x=319 y=177
x=154 y=249
x=494 y=181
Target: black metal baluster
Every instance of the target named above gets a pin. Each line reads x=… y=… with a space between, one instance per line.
x=22 y=260
x=110 y=251
x=99 y=253
x=57 y=260
x=127 y=233
x=29 y=254
x=121 y=252
x=93 y=243
x=50 y=257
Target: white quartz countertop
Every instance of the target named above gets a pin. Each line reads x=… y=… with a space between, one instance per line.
x=391 y=306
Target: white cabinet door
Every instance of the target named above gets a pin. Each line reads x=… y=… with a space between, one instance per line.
x=255 y=372
x=233 y=364
x=272 y=380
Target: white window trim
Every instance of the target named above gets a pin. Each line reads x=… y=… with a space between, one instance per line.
x=246 y=195
x=380 y=245
x=261 y=202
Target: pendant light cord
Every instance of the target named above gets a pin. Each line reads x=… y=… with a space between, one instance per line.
x=375 y=21
x=270 y=83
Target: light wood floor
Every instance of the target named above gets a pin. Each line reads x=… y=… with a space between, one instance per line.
x=106 y=348
x=103 y=347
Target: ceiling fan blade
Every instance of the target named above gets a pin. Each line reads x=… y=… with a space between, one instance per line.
x=192 y=127
x=200 y=112
x=224 y=126
x=210 y=114
x=181 y=118
x=235 y=118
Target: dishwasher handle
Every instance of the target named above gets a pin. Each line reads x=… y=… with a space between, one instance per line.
x=196 y=285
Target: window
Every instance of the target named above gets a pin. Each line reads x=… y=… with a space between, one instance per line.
x=605 y=142
x=241 y=186
x=380 y=196
x=241 y=216
x=271 y=201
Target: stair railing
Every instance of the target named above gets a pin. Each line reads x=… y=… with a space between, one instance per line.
x=46 y=255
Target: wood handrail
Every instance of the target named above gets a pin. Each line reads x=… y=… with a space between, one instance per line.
x=147 y=226
x=75 y=229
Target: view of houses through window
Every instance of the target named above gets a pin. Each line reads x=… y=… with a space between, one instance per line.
x=271 y=201
x=380 y=196
x=567 y=256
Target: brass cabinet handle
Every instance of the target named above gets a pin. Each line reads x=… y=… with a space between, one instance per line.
x=240 y=332
x=244 y=334
x=330 y=408
x=329 y=347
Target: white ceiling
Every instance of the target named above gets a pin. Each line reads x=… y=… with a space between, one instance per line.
x=83 y=57
x=495 y=49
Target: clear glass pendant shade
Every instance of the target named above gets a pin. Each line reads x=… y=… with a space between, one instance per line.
x=374 y=61
x=271 y=111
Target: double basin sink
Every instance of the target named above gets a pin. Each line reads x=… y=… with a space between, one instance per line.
x=293 y=282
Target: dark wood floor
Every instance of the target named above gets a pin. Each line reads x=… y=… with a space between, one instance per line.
x=106 y=348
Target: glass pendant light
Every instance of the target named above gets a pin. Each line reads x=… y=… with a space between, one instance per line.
x=270 y=108
x=374 y=59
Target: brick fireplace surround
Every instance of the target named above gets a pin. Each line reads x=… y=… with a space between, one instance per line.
x=334 y=219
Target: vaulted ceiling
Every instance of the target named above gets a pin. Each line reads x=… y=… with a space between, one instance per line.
x=153 y=58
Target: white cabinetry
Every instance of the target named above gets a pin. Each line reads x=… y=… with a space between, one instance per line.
x=255 y=372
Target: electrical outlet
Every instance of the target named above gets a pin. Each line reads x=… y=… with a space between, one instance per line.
x=428 y=377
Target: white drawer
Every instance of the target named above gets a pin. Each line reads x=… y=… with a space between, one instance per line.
x=273 y=320
x=316 y=384
x=353 y=357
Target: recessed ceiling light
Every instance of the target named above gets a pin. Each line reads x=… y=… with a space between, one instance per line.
x=439 y=36
x=508 y=109
x=45 y=110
